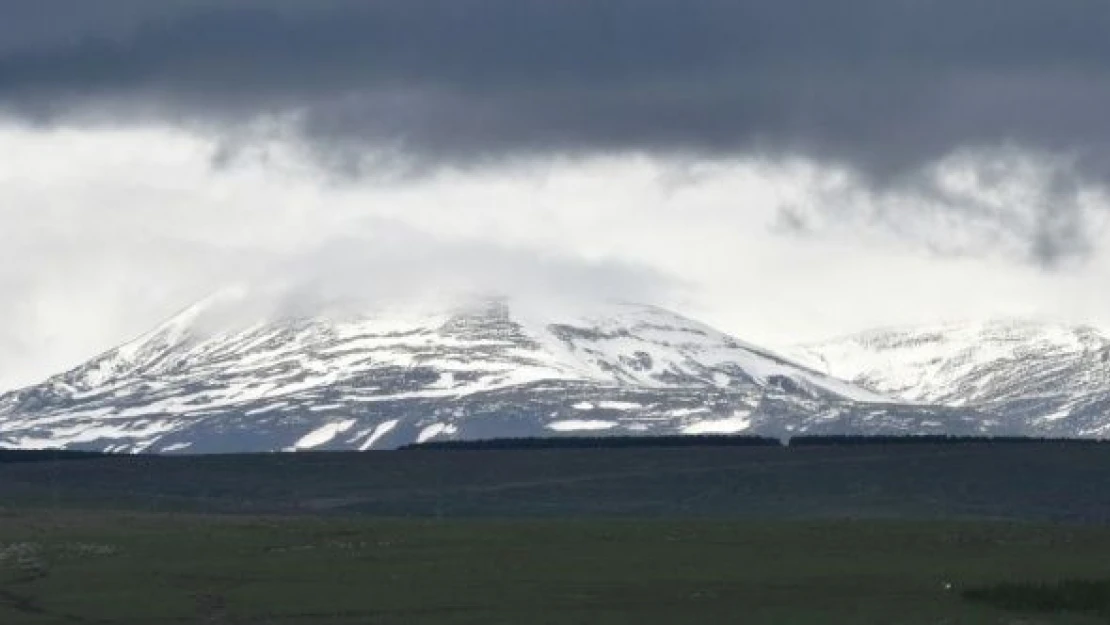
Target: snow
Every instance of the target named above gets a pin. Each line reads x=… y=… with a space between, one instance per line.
x=1063 y=413
x=307 y=383
x=380 y=431
x=435 y=430
x=730 y=425
x=270 y=408
x=1099 y=432
x=970 y=363
x=192 y=371
x=325 y=352
x=323 y=435
x=686 y=412
x=87 y=433
x=619 y=405
x=176 y=447
x=573 y=425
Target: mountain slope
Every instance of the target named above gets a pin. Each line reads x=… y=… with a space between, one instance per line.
x=1036 y=377
x=209 y=381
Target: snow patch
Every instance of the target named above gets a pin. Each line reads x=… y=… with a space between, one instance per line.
x=435 y=430
x=176 y=447
x=380 y=431
x=619 y=405
x=85 y=433
x=1062 y=413
x=446 y=380
x=324 y=434
x=731 y=425
x=686 y=412
x=263 y=410
x=573 y=425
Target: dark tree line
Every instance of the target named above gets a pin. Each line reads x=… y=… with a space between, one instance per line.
x=623 y=442
x=640 y=442
x=824 y=441
x=598 y=442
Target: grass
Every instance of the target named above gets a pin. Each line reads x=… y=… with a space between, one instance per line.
x=79 y=567
x=913 y=534
x=1073 y=595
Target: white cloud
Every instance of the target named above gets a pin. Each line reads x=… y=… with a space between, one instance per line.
x=104 y=232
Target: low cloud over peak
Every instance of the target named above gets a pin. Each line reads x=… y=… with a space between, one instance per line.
x=782 y=166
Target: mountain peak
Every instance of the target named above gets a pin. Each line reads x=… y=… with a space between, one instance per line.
x=224 y=375
x=1049 y=376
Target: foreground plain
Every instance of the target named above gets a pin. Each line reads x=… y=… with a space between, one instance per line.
x=66 y=567
x=868 y=534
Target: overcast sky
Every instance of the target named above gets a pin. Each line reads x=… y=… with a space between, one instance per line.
x=783 y=169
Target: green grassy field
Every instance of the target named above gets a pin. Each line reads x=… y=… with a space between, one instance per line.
x=851 y=535
x=67 y=567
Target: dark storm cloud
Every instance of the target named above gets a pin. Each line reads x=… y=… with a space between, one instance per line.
x=885 y=86
x=881 y=83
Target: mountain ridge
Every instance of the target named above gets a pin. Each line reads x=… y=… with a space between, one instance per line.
x=490 y=367
x=1047 y=378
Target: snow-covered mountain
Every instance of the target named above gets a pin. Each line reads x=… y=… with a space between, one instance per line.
x=208 y=381
x=1034 y=377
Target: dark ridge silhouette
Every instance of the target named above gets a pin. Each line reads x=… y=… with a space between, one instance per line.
x=647 y=442
x=45 y=455
x=9 y=456
x=824 y=441
x=597 y=442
